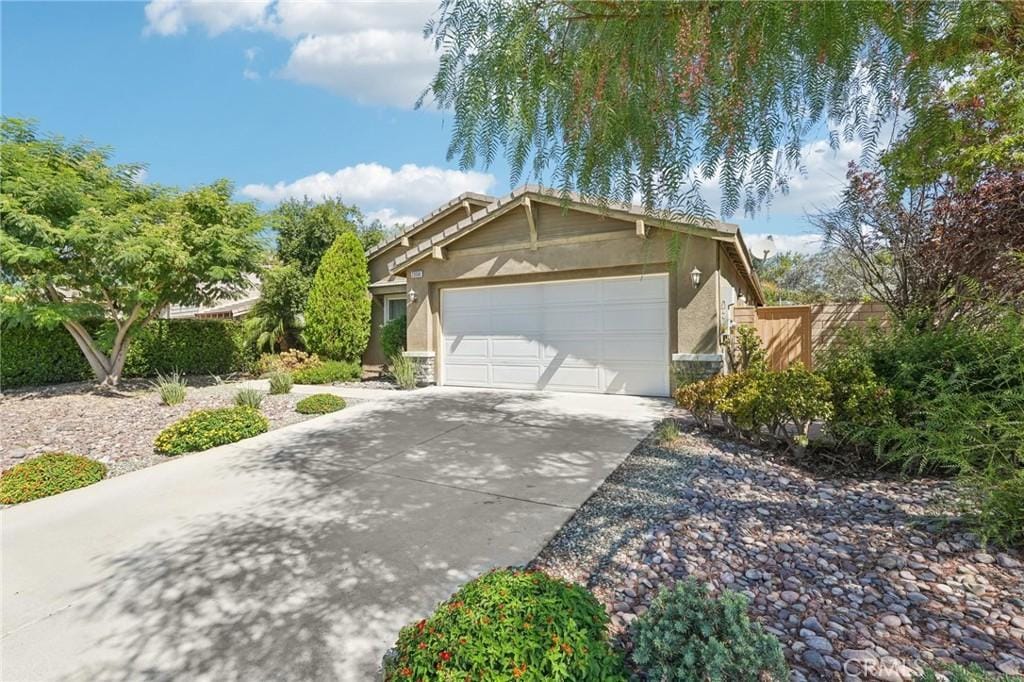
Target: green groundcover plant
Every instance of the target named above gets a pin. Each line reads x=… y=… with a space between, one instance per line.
x=509 y=624
x=204 y=429
x=48 y=474
x=959 y=673
x=320 y=403
x=688 y=635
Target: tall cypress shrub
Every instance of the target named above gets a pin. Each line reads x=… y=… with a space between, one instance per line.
x=338 y=307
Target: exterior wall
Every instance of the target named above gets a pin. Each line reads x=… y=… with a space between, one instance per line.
x=374 y=354
x=571 y=245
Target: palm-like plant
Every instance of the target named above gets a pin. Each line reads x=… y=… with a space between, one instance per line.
x=275 y=321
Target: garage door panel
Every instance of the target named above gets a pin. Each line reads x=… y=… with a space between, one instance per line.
x=564 y=320
x=459 y=347
x=640 y=317
x=515 y=348
x=572 y=378
x=597 y=335
x=515 y=321
x=586 y=348
x=465 y=322
x=524 y=376
x=625 y=350
x=638 y=380
x=567 y=293
x=467 y=374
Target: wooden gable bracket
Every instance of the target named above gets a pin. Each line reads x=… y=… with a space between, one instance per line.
x=437 y=253
x=641 y=229
x=405 y=241
x=469 y=209
x=531 y=221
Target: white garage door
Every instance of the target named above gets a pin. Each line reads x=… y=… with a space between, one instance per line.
x=595 y=335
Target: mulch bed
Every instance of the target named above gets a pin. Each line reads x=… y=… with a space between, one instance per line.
x=115 y=428
x=868 y=577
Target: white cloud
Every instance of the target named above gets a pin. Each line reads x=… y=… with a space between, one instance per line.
x=390 y=217
x=372 y=66
x=393 y=196
x=758 y=243
x=173 y=17
x=373 y=52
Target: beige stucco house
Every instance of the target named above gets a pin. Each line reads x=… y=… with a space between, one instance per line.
x=537 y=290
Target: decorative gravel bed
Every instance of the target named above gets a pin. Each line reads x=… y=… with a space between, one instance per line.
x=865 y=579
x=115 y=428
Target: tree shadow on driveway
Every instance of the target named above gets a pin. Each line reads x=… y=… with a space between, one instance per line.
x=356 y=526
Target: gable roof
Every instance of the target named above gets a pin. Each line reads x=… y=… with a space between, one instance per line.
x=442 y=210
x=727 y=234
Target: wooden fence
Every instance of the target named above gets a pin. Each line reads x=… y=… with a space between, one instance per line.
x=798 y=332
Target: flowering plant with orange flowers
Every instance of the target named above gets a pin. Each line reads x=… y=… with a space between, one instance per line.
x=509 y=624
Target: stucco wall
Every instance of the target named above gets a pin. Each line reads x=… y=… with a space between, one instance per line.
x=612 y=248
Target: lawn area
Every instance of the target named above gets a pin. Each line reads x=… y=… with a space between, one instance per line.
x=116 y=428
x=853 y=575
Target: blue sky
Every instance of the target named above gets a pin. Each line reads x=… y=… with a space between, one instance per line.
x=283 y=98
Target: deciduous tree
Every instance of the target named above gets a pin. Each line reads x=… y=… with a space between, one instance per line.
x=81 y=240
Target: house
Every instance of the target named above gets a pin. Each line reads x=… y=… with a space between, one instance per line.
x=538 y=290
x=224 y=309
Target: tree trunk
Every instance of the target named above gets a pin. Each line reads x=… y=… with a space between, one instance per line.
x=107 y=368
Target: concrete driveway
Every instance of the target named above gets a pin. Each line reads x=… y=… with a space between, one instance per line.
x=300 y=553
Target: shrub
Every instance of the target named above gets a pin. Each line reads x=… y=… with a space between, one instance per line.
x=862 y=404
x=392 y=337
x=204 y=429
x=998 y=513
x=745 y=350
x=702 y=398
x=320 y=403
x=338 y=309
x=288 y=361
x=329 y=371
x=509 y=624
x=687 y=635
x=249 y=397
x=172 y=388
x=280 y=382
x=48 y=474
x=33 y=356
x=404 y=371
x=958 y=673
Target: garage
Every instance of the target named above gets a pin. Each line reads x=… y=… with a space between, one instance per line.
x=601 y=335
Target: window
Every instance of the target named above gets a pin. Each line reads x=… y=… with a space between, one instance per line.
x=394 y=307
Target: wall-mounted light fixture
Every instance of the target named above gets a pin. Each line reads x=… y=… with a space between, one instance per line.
x=412 y=296
x=695 y=277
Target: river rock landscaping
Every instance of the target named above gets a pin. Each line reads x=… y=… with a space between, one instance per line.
x=859 y=578
x=118 y=428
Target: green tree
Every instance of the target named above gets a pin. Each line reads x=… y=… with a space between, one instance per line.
x=275 y=321
x=615 y=98
x=81 y=240
x=306 y=229
x=338 y=307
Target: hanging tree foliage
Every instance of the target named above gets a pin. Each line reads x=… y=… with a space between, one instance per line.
x=615 y=98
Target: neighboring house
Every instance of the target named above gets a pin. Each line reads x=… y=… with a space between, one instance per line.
x=219 y=310
x=540 y=291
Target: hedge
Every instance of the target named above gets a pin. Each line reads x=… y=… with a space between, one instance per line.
x=31 y=356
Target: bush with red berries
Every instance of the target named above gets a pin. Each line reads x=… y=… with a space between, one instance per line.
x=509 y=624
